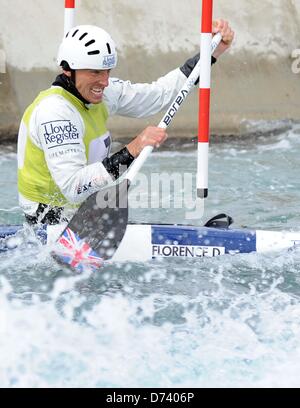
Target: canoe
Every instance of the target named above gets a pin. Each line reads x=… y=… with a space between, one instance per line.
x=143 y=242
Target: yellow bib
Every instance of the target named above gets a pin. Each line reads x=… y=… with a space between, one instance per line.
x=34 y=179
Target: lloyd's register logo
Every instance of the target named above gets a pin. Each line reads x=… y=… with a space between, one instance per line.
x=109 y=61
x=60 y=132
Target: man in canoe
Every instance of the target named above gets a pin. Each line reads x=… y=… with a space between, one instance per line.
x=64 y=144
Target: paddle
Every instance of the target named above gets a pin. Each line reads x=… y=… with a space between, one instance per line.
x=174 y=107
x=96 y=230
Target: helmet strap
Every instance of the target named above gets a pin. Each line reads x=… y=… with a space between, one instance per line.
x=73 y=76
x=66 y=67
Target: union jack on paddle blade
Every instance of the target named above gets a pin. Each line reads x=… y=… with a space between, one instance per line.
x=75 y=252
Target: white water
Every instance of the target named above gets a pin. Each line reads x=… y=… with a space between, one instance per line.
x=226 y=322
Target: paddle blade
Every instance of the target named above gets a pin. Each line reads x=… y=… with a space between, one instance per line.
x=96 y=230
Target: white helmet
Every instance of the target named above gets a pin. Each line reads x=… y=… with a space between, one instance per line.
x=88 y=47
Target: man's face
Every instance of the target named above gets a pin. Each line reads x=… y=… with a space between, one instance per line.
x=91 y=84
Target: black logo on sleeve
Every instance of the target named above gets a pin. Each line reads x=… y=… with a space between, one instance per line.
x=60 y=133
x=83 y=188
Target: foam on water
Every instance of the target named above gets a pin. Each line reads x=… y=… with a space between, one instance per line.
x=232 y=321
x=225 y=324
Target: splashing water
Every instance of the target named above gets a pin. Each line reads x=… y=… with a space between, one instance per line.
x=232 y=321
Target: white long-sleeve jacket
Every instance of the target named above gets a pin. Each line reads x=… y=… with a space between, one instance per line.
x=76 y=176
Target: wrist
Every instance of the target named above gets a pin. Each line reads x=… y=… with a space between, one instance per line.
x=133 y=149
x=220 y=50
x=216 y=55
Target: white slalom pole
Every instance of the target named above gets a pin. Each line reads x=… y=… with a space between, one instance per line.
x=69 y=15
x=175 y=105
x=204 y=99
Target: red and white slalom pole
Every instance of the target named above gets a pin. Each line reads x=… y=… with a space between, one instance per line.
x=69 y=15
x=204 y=98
